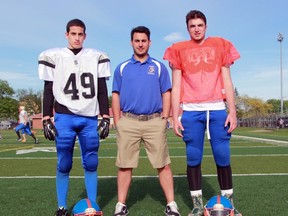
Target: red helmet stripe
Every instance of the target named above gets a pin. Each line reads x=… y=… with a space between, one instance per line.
x=88 y=203
x=219 y=199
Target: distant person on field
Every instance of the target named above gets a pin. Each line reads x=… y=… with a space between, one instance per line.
x=281 y=123
x=26 y=131
x=24 y=126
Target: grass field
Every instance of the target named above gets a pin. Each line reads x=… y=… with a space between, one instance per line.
x=260 y=175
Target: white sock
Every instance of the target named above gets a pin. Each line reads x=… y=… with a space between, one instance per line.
x=121 y=204
x=223 y=192
x=172 y=203
x=196 y=193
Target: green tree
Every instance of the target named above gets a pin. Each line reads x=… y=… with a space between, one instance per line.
x=5 y=89
x=253 y=107
x=8 y=108
x=8 y=105
x=30 y=99
x=276 y=104
x=110 y=101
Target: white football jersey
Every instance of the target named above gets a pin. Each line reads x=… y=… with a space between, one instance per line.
x=75 y=77
x=22 y=115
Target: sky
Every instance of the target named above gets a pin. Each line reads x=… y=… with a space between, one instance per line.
x=30 y=27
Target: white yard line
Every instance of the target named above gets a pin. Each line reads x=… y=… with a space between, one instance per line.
x=175 y=176
x=279 y=142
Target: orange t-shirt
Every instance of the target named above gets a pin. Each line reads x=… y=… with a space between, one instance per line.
x=201 y=67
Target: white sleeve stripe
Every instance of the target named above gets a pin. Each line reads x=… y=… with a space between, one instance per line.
x=159 y=67
x=122 y=67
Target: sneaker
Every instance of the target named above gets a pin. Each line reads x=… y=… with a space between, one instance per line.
x=172 y=209
x=121 y=210
x=19 y=140
x=61 y=211
x=36 y=141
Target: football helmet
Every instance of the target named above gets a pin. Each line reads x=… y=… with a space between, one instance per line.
x=86 y=207
x=218 y=206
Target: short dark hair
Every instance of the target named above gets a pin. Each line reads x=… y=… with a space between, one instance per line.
x=193 y=14
x=75 y=22
x=140 y=29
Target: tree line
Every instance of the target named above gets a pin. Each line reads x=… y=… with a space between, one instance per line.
x=10 y=99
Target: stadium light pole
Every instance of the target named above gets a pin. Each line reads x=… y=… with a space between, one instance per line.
x=280 y=39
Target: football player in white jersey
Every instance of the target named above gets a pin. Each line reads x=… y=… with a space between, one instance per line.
x=24 y=126
x=75 y=94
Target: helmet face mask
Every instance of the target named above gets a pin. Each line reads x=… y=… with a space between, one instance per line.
x=218 y=206
x=219 y=213
x=86 y=207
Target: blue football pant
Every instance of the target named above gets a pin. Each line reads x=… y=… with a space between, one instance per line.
x=23 y=128
x=194 y=123
x=85 y=128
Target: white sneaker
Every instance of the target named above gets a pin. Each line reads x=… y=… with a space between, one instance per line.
x=121 y=209
x=172 y=209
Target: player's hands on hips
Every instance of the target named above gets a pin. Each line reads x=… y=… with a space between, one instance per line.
x=103 y=128
x=50 y=131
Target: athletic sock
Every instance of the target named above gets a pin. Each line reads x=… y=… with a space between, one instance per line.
x=91 y=183
x=62 y=186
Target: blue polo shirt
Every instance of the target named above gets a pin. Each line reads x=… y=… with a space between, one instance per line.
x=141 y=85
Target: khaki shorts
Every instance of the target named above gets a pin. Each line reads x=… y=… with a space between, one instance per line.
x=152 y=133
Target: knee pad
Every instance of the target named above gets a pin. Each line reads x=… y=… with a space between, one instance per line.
x=90 y=163
x=194 y=156
x=222 y=156
x=65 y=164
x=65 y=148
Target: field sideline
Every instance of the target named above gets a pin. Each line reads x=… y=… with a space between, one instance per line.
x=259 y=163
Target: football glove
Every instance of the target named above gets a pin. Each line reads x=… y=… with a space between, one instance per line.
x=50 y=131
x=103 y=128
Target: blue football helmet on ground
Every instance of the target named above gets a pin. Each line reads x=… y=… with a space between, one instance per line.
x=218 y=206
x=86 y=207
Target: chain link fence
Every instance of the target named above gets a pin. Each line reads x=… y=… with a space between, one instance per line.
x=272 y=121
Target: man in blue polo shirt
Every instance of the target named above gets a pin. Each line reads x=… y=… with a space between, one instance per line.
x=141 y=90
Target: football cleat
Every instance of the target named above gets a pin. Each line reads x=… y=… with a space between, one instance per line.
x=218 y=206
x=230 y=197
x=198 y=209
x=86 y=207
x=61 y=211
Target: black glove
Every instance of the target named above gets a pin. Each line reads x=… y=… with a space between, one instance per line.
x=103 y=128
x=50 y=131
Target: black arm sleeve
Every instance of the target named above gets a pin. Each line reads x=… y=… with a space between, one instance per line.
x=103 y=96
x=48 y=99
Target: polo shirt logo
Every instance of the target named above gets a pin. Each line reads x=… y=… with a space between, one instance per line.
x=151 y=70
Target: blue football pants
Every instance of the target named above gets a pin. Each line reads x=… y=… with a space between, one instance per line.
x=195 y=123
x=85 y=128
